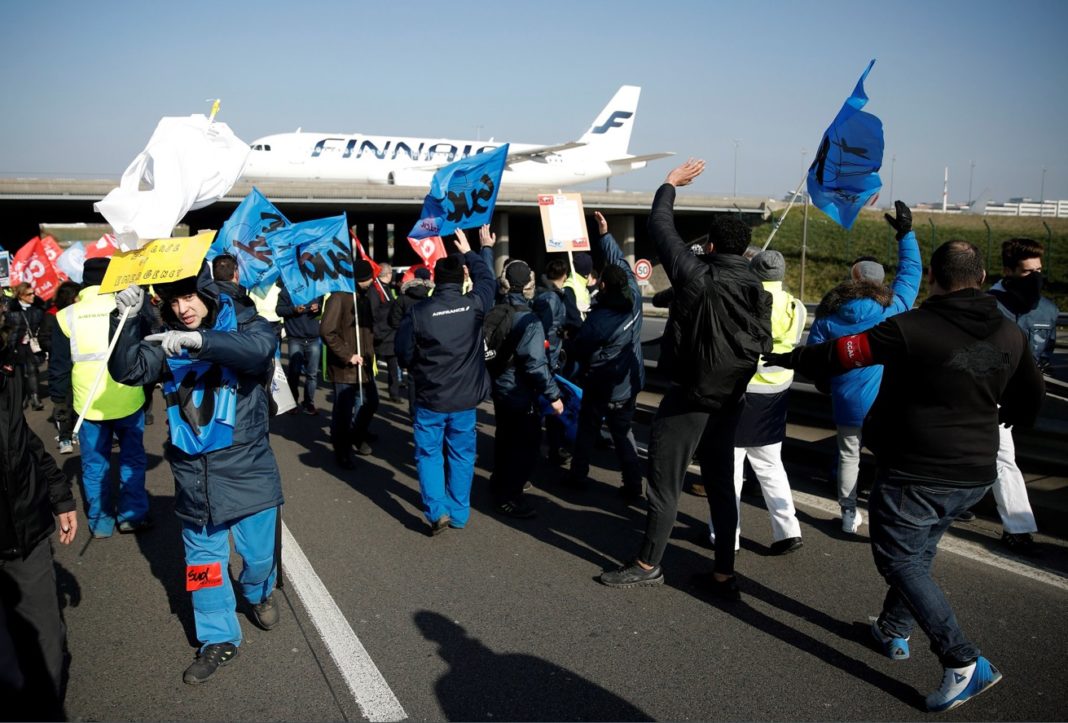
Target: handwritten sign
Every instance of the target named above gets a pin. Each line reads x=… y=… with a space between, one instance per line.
x=160 y=261
x=563 y=222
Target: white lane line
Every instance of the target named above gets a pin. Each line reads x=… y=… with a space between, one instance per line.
x=971 y=550
x=370 y=690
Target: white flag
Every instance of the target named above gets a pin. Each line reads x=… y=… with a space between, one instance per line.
x=188 y=163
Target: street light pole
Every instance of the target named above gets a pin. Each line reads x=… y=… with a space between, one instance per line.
x=893 y=162
x=734 y=191
x=1042 y=193
x=971 y=174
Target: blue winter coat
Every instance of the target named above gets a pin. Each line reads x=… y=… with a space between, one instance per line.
x=528 y=376
x=241 y=479
x=855 y=307
x=608 y=348
x=440 y=342
x=550 y=308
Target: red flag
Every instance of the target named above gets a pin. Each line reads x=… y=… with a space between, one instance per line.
x=103 y=248
x=410 y=273
x=429 y=249
x=34 y=264
x=363 y=254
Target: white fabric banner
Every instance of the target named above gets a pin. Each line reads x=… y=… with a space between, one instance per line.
x=188 y=163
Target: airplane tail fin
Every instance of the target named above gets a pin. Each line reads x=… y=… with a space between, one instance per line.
x=610 y=133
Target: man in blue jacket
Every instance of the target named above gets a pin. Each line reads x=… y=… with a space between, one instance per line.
x=608 y=351
x=440 y=343
x=215 y=361
x=851 y=308
x=1019 y=296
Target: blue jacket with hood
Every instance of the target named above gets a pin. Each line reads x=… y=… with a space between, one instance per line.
x=239 y=480
x=854 y=307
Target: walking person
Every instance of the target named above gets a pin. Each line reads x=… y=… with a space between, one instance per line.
x=63 y=413
x=381 y=298
x=26 y=316
x=301 y=324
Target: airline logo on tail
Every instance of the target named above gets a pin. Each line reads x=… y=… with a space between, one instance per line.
x=614 y=121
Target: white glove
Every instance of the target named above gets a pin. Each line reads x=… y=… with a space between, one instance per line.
x=174 y=341
x=132 y=297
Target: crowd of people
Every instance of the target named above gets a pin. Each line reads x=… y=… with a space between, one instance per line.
x=933 y=391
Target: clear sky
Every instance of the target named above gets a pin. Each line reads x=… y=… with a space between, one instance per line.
x=955 y=82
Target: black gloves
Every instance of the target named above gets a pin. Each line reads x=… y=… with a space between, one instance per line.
x=779 y=360
x=903 y=223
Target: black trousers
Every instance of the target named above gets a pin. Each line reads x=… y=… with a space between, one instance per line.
x=680 y=429
x=618 y=418
x=33 y=638
x=515 y=451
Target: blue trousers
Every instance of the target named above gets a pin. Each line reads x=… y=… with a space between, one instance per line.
x=214 y=606
x=303 y=358
x=445 y=494
x=907 y=521
x=95 y=441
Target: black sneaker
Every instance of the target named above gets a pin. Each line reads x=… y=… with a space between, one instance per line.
x=785 y=547
x=1022 y=542
x=633 y=575
x=210 y=659
x=265 y=614
x=966 y=516
x=440 y=525
x=516 y=508
x=722 y=589
x=126 y=527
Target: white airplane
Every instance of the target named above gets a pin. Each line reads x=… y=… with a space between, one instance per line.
x=396 y=161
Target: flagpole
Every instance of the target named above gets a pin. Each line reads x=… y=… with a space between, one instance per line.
x=778 y=223
x=103 y=370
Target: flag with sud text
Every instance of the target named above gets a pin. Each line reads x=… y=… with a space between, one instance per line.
x=462 y=194
x=314 y=258
x=844 y=176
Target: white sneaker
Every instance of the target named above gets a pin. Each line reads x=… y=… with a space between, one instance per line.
x=852 y=519
x=960 y=685
x=65 y=447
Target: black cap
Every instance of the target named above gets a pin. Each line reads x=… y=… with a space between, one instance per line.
x=93 y=274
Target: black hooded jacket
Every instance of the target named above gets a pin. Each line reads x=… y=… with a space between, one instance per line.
x=947 y=366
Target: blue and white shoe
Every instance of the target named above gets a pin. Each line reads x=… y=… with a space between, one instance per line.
x=894 y=648
x=959 y=685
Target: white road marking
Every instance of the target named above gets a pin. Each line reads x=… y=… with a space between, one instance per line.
x=370 y=690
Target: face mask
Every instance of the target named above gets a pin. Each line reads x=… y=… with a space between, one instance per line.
x=1027 y=288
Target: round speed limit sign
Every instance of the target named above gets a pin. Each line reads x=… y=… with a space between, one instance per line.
x=643 y=271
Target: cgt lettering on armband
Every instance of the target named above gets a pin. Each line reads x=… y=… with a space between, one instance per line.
x=854 y=351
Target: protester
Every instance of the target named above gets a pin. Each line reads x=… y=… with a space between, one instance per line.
x=720 y=324
x=608 y=353
x=301 y=323
x=1019 y=297
x=381 y=300
x=25 y=315
x=225 y=272
x=63 y=414
x=110 y=410
x=350 y=365
x=933 y=428
x=215 y=360
x=419 y=287
x=266 y=301
x=33 y=638
x=762 y=423
x=577 y=287
x=851 y=308
x=551 y=307
x=440 y=342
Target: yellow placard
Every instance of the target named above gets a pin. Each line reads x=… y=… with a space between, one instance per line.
x=159 y=261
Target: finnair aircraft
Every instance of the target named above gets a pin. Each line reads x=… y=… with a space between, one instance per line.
x=396 y=161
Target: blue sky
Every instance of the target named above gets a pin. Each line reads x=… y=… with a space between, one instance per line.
x=85 y=83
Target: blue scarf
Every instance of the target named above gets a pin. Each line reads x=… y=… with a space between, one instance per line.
x=202 y=396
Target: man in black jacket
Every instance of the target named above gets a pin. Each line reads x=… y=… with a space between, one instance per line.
x=381 y=297
x=301 y=322
x=32 y=491
x=720 y=324
x=934 y=429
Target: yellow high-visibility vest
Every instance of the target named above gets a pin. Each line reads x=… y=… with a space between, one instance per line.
x=787 y=322
x=87 y=324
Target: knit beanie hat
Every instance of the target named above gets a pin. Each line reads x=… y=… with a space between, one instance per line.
x=449 y=270
x=869 y=271
x=518 y=276
x=95 y=269
x=769 y=266
x=363 y=271
x=583 y=263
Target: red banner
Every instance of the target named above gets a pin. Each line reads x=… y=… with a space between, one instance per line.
x=34 y=263
x=429 y=249
x=375 y=268
x=104 y=248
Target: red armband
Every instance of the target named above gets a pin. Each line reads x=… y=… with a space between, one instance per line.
x=201 y=576
x=854 y=351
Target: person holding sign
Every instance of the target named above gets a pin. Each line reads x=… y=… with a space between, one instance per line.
x=215 y=360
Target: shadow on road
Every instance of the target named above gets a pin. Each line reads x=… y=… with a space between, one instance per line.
x=484 y=685
x=162 y=548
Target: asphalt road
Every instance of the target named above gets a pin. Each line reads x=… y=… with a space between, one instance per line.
x=504 y=621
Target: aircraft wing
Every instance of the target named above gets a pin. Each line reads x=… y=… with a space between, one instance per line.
x=534 y=154
x=641 y=159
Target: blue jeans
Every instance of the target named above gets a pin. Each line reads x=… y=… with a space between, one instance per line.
x=303 y=358
x=907 y=521
x=95 y=441
x=214 y=606
x=443 y=495
x=350 y=418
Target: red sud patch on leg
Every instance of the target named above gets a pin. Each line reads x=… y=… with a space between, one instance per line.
x=201 y=576
x=854 y=351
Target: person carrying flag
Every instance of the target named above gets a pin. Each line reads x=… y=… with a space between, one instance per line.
x=215 y=360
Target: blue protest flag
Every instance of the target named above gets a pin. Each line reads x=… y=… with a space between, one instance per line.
x=844 y=177
x=314 y=258
x=243 y=236
x=462 y=194
x=571 y=395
